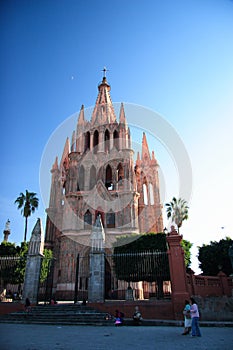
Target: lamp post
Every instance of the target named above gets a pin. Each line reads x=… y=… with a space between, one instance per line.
x=230 y=253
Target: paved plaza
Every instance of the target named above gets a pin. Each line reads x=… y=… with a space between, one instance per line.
x=42 y=337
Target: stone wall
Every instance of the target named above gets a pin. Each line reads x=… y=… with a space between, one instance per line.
x=215 y=308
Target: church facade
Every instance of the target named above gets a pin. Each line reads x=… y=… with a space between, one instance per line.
x=98 y=177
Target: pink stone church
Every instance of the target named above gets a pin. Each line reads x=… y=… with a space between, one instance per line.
x=98 y=176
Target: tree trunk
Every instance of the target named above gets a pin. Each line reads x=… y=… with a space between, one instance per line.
x=26 y=228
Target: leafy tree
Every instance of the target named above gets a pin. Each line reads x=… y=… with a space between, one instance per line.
x=9 y=259
x=214 y=257
x=8 y=249
x=186 y=245
x=45 y=266
x=12 y=268
x=21 y=266
x=142 y=259
x=177 y=210
x=28 y=203
x=142 y=242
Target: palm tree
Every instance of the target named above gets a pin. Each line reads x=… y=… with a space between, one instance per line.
x=29 y=203
x=177 y=210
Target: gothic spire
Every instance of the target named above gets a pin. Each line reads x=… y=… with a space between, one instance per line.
x=145 y=148
x=36 y=245
x=97 y=235
x=55 y=164
x=66 y=151
x=122 y=118
x=81 y=120
x=138 y=159
x=103 y=112
x=73 y=143
x=153 y=160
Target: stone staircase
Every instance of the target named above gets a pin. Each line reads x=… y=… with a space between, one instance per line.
x=59 y=314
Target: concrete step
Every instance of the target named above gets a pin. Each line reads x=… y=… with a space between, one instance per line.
x=58 y=314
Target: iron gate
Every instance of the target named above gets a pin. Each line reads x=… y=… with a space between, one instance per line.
x=45 y=290
x=146 y=273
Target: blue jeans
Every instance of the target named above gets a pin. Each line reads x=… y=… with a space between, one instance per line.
x=195 y=327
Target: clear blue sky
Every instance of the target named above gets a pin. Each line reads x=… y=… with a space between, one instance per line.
x=174 y=57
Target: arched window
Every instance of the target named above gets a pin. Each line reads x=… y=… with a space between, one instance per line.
x=87 y=141
x=108 y=178
x=95 y=141
x=120 y=174
x=101 y=214
x=92 y=177
x=81 y=177
x=87 y=219
x=151 y=191
x=110 y=219
x=145 y=195
x=107 y=141
x=116 y=139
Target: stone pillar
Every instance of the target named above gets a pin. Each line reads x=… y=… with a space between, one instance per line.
x=177 y=273
x=225 y=288
x=96 y=285
x=101 y=144
x=111 y=141
x=33 y=264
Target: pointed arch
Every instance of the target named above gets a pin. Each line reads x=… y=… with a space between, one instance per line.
x=81 y=177
x=145 y=194
x=110 y=219
x=107 y=141
x=108 y=178
x=95 y=141
x=87 y=141
x=100 y=212
x=87 y=219
x=151 y=193
x=92 y=182
x=116 y=139
x=120 y=174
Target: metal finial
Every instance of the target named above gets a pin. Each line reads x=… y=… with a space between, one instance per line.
x=104 y=72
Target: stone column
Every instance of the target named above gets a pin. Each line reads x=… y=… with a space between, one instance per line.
x=101 y=144
x=96 y=285
x=177 y=273
x=33 y=264
x=111 y=141
x=7 y=231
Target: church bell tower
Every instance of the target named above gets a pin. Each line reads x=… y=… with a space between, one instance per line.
x=97 y=177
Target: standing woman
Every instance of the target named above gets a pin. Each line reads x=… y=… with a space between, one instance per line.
x=187 y=318
x=195 y=318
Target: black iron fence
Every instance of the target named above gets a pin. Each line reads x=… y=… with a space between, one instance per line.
x=141 y=275
x=45 y=292
x=145 y=273
x=12 y=270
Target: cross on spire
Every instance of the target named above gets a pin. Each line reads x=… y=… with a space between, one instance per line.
x=104 y=72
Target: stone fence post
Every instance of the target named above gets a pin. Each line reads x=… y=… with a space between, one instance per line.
x=33 y=264
x=224 y=283
x=96 y=285
x=177 y=272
